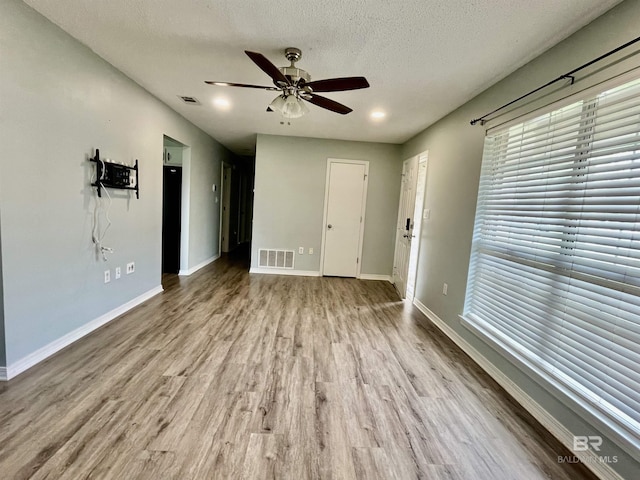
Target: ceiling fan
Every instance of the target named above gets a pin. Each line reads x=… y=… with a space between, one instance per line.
x=294 y=85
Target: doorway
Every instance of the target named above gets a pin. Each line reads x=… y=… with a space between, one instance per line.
x=172 y=205
x=411 y=214
x=345 y=202
x=171 y=224
x=225 y=220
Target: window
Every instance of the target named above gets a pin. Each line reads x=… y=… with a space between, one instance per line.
x=554 y=279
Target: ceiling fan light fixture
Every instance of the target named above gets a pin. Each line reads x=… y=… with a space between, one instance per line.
x=296 y=88
x=294 y=107
x=277 y=104
x=289 y=106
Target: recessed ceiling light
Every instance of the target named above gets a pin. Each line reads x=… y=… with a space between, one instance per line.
x=221 y=84
x=222 y=103
x=378 y=114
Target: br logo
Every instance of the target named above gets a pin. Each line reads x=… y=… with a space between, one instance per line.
x=582 y=443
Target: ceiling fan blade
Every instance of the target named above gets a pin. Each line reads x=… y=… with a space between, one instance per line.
x=338 y=84
x=267 y=67
x=327 y=103
x=229 y=84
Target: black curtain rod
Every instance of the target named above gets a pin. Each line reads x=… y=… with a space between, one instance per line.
x=561 y=77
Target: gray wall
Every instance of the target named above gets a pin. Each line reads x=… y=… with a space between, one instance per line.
x=58 y=102
x=455 y=155
x=204 y=216
x=289 y=198
x=3 y=356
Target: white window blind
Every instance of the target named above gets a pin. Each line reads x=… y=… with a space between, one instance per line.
x=555 y=267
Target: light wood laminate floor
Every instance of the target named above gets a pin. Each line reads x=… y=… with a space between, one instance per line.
x=229 y=375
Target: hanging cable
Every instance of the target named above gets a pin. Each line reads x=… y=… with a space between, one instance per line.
x=568 y=75
x=97 y=237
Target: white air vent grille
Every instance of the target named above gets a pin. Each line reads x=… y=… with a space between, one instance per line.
x=276 y=258
x=189 y=100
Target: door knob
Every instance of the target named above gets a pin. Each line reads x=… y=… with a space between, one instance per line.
x=329 y=226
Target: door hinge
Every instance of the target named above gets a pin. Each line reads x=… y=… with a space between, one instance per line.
x=357 y=260
x=360 y=219
x=365 y=177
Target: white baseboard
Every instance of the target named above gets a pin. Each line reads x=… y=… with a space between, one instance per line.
x=284 y=271
x=375 y=276
x=588 y=458
x=313 y=273
x=193 y=270
x=3 y=374
x=41 y=354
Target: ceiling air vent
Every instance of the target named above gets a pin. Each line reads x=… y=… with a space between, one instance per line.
x=189 y=100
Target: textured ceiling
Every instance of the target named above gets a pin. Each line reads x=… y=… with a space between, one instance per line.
x=423 y=58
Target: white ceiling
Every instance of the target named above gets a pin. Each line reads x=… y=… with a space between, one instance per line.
x=423 y=58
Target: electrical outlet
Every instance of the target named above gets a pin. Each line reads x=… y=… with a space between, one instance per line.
x=107 y=276
x=426 y=214
x=131 y=267
x=310 y=250
x=301 y=250
x=445 y=288
x=118 y=272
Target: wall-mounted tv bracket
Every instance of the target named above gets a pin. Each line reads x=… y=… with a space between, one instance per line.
x=115 y=175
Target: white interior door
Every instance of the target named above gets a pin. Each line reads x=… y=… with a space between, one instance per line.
x=418 y=221
x=404 y=231
x=344 y=217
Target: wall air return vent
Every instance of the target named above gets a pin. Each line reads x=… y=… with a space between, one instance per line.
x=276 y=258
x=189 y=100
